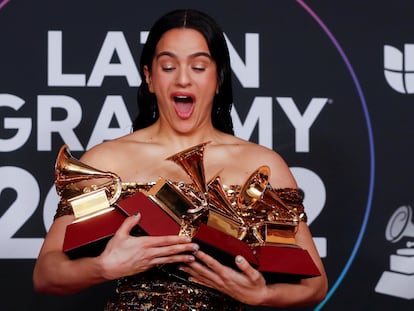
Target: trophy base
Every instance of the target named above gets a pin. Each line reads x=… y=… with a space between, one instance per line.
x=88 y=238
x=277 y=263
x=396 y=284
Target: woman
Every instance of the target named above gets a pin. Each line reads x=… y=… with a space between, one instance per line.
x=184 y=100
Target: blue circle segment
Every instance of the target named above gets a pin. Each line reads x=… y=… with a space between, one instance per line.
x=371 y=151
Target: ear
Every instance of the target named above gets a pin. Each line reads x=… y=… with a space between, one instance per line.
x=148 y=79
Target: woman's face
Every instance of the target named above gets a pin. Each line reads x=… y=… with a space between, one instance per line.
x=184 y=80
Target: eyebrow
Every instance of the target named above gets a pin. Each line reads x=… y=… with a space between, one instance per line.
x=171 y=54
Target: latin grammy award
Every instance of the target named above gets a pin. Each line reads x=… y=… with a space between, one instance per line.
x=251 y=221
x=399 y=279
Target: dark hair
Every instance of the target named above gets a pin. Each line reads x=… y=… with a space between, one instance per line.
x=193 y=19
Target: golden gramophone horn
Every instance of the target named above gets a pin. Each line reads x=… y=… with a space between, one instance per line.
x=268 y=217
x=218 y=198
x=222 y=214
x=281 y=213
x=69 y=171
x=191 y=160
x=253 y=188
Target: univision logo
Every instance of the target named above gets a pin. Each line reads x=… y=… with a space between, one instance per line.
x=399 y=68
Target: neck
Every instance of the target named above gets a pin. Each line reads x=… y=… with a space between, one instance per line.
x=180 y=141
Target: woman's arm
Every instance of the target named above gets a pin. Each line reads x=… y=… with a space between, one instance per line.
x=124 y=255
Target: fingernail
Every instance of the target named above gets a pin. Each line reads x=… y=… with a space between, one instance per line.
x=137 y=214
x=188 y=239
x=239 y=259
x=191 y=259
x=196 y=247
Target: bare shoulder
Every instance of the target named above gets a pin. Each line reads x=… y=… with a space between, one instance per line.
x=105 y=152
x=254 y=153
x=280 y=174
x=246 y=157
x=113 y=155
x=261 y=153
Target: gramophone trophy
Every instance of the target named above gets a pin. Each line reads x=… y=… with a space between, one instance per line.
x=96 y=218
x=257 y=225
x=99 y=210
x=175 y=209
x=398 y=281
x=253 y=221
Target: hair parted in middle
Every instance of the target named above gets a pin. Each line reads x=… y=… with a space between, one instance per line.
x=211 y=31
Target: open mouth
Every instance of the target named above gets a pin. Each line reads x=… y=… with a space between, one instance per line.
x=183 y=99
x=183 y=105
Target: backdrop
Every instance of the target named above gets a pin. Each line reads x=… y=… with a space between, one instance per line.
x=327 y=84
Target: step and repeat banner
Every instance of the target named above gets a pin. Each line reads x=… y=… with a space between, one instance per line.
x=327 y=84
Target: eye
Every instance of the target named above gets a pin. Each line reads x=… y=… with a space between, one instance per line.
x=168 y=68
x=199 y=68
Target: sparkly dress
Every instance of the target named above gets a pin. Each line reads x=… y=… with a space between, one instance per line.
x=156 y=289
x=161 y=288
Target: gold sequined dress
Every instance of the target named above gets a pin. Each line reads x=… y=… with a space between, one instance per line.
x=160 y=289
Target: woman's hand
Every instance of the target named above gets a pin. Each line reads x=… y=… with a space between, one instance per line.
x=247 y=285
x=127 y=255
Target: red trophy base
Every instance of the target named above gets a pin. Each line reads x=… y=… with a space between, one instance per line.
x=88 y=238
x=276 y=262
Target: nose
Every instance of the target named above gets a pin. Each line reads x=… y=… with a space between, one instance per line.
x=183 y=77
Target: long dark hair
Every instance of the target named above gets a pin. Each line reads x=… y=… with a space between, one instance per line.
x=223 y=100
